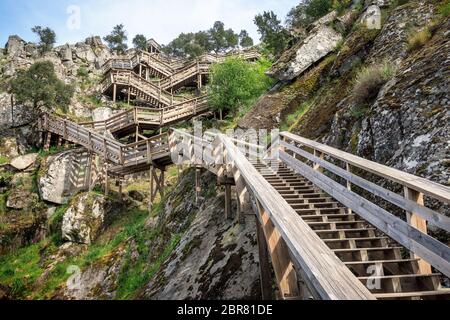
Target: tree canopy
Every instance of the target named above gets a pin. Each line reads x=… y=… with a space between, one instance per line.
x=40 y=85
x=273 y=35
x=140 y=42
x=308 y=11
x=47 y=38
x=117 y=39
x=245 y=41
x=236 y=84
x=217 y=39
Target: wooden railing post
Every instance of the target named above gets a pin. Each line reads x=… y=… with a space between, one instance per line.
x=417 y=222
x=281 y=261
x=121 y=157
x=317 y=166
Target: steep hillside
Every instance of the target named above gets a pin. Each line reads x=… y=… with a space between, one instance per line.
x=406 y=111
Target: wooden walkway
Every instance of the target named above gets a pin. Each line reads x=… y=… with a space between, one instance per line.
x=323 y=233
x=325 y=221
x=151 y=78
x=325 y=236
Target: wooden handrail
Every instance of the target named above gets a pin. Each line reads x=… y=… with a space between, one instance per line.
x=425 y=186
x=412 y=234
x=326 y=276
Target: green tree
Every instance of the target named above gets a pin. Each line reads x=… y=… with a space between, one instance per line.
x=185 y=45
x=140 y=42
x=117 y=39
x=218 y=37
x=274 y=36
x=308 y=11
x=232 y=39
x=236 y=84
x=47 y=38
x=245 y=41
x=39 y=85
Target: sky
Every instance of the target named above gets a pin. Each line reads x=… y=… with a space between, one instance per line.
x=163 y=20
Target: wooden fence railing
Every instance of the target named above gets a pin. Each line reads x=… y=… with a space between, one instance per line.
x=326 y=276
x=111 y=150
x=153 y=116
x=338 y=173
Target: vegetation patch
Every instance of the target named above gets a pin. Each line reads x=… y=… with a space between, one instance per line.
x=236 y=84
x=418 y=39
x=370 y=80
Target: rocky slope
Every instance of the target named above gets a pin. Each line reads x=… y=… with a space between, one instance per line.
x=406 y=125
x=117 y=251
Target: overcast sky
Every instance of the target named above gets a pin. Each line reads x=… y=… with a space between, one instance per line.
x=162 y=20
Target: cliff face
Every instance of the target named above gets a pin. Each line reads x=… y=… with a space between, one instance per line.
x=406 y=124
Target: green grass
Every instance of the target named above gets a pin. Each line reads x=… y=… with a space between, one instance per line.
x=20 y=270
x=293 y=118
x=3 y=160
x=444 y=9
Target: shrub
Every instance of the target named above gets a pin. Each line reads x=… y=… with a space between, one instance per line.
x=83 y=73
x=236 y=84
x=418 y=39
x=47 y=38
x=40 y=85
x=370 y=80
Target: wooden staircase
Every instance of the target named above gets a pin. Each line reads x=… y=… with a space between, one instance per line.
x=376 y=260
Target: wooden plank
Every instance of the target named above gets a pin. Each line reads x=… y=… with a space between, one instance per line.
x=425 y=186
x=264 y=268
x=428 y=248
x=279 y=253
x=416 y=222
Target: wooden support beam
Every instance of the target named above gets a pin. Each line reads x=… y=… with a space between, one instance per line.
x=281 y=261
x=228 y=201
x=48 y=141
x=417 y=222
x=106 y=179
x=198 y=189
x=120 y=189
x=60 y=141
x=265 y=274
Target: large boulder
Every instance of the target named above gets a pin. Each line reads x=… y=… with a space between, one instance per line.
x=8 y=147
x=15 y=46
x=101 y=114
x=63 y=175
x=322 y=41
x=24 y=162
x=84 y=219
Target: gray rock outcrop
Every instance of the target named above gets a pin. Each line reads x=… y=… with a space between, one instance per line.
x=24 y=162
x=84 y=219
x=63 y=175
x=297 y=60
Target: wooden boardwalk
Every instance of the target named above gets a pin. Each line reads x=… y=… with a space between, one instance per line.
x=326 y=221
x=151 y=78
x=325 y=238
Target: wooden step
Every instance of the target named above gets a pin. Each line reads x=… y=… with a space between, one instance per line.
x=368 y=254
x=338 y=225
x=389 y=267
x=401 y=283
x=443 y=294
x=372 y=242
x=346 y=233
